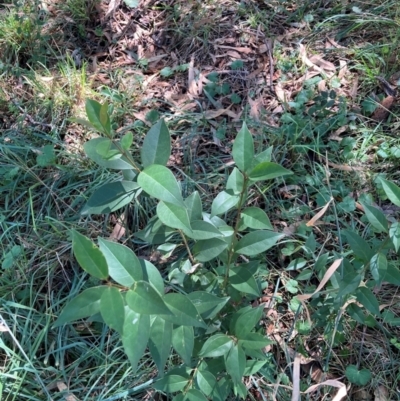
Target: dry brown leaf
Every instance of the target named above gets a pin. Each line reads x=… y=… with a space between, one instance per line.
x=343 y=71
x=255 y=107
x=383 y=111
x=245 y=50
x=320 y=62
x=332 y=383
x=141 y=115
x=354 y=88
x=281 y=93
x=212 y=114
x=344 y=167
x=296 y=378
x=119 y=229
x=381 y=393
x=312 y=222
x=324 y=280
x=192 y=86
x=68 y=397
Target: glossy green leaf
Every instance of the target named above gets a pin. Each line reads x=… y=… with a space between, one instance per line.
x=194 y=207
x=392 y=275
x=235 y=182
x=349 y=284
x=143 y=298
x=242 y=280
x=156 y=148
x=195 y=395
x=183 y=342
x=208 y=305
x=136 y=333
x=159 y=182
x=378 y=266
x=110 y=197
x=216 y=345
x=243 y=149
x=152 y=275
x=264 y=156
x=108 y=150
x=93 y=111
x=86 y=304
x=359 y=246
x=256 y=218
x=206 y=381
x=173 y=216
x=368 y=300
x=90 y=148
x=235 y=363
x=243 y=323
x=171 y=383
x=268 y=171
x=358 y=377
x=257 y=242
x=254 y=341
x=184 y=313
x=202 y=230
x=392 y=191
x=89 y=256
x=376 y=218
x=223 y=202
x=112 y=309
x=253 y=366
x=209 y=249
x=160 y=342
x=123 y=265
x=155 y=232
x=394 y=234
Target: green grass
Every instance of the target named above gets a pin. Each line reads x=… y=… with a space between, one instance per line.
x=41 y=90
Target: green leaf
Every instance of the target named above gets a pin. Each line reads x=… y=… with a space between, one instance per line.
x=112 y=309
x=209 y=249
x=359 y=246
x=368 y=300
x=254 y=341
x=268 y=171
x=207 y=304
x=392 y=275
x=90 y=148
x=257 y=242
x=235 y=182
x=358 y=377
x=110 y=197
x=171 y=383
x=394 y=234
x=160 y=342
x=216 y=345
x=152 y=275
x=243 y=149
x=264 y=156
x=184 y=313
x=183 y=342
x=202 y=230
x=194 y=207
x=223 y=202
x=105 y=118
x=240 y=390
x=136 y=333
x=243 y=322
x=86 y=304
x=253 y=366
x=242 y=280
x=378 y=266
x=127 y=140
x=173 y=216
x=89 y=256
x=235 y=363
x=256 y=218
x=156 y=148
x=159 y=182
x=123 y=265
x=195 y=395
x=206 y=381
x=392 y=191
x=93 y=112
x=376 y=218
x=146 y=300
x=349 y=284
